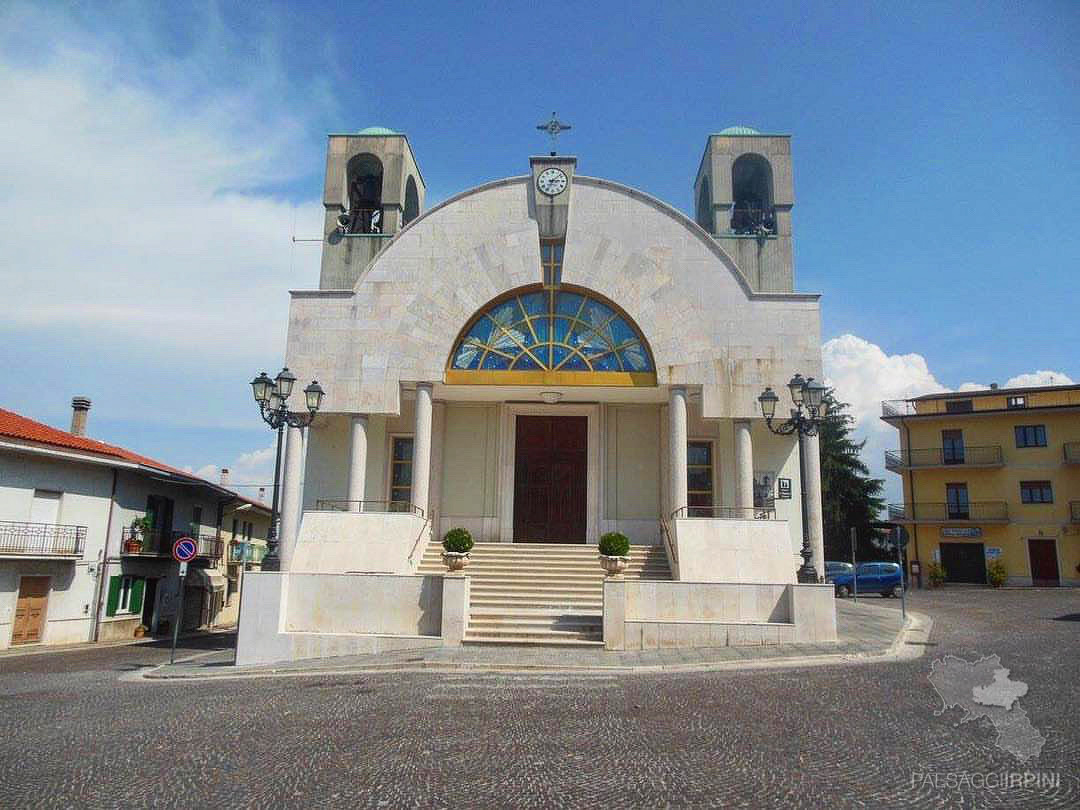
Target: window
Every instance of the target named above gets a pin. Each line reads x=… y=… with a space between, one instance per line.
x=752 y=193
x=956 y=501
x=401 y=474
x=196 y=520
x=1017 y=402
x=1036 y=492
x=125 y=595
x=699 y=479
x=952 y=446
x=958 y=406
x=235 y=528
x=554 y=330
x=1030 y=435
x=551 y=256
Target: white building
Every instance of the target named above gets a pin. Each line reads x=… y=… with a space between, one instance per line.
x=71 y=568
x=549 y=357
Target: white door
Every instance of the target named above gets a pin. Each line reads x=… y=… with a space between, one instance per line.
x=46 y=507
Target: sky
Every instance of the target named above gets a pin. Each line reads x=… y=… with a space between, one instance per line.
x=157 y=158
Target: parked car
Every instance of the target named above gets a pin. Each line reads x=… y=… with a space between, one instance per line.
x=833 y=568
x=876 y=577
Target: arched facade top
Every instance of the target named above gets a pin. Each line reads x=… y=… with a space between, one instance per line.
x=540 y=335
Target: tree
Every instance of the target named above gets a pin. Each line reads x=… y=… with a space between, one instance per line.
x=849 y=496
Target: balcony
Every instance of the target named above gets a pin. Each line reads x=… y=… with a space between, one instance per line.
x=974 y=512
x=159 y=544
x=893 y=408
x=51 y=540
x=988 y=456
x=726 y=512
x=1072 y=452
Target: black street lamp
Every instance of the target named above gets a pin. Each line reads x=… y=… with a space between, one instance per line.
x=808 y=395
x=272 y=397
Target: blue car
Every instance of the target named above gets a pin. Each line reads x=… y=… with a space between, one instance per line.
x=875 y=577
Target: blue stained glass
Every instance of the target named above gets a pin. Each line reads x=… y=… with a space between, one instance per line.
x=587 y=335
x=567 y=303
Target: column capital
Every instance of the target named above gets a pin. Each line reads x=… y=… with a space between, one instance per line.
x=426 y=386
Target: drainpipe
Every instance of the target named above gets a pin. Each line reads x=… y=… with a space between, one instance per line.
x=911 y=489
x=103 y=562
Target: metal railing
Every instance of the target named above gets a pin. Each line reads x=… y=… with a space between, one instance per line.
x=726 y=512
x=364 y=220
x=975 y=511
x=753 y=219
x=238 y=549
x=897 y=407
x=987 y=456
x=1071 y=450
x=1074 y=511
x=44 y=539
x=334 y=505
x=665 y=533
x=159 y=544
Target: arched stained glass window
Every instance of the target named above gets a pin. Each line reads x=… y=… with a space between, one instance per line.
x=552 y=330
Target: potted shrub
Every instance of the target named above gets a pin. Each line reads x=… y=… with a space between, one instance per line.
x=457 y=543
x=996 y=573
x=140 y=535
x=614 y=553
x=935 y=574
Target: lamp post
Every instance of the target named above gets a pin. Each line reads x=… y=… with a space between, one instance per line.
x=809 y=410
x=272 y=396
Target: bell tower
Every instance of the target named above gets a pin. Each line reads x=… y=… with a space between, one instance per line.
x=743 y=197
x=373 y=189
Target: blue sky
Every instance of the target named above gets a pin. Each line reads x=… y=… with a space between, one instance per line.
x=158 y=157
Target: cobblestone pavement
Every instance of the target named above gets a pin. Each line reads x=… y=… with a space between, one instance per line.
x=73 y=733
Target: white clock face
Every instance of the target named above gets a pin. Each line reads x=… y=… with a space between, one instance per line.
x=551 y=182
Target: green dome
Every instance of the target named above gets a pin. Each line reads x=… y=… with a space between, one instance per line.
x=739 y=131
x=376 y=131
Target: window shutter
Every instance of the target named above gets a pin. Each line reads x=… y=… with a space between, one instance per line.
x=114 y=596
x=135 y=602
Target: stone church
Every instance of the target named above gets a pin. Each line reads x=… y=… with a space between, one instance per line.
x=545 y=358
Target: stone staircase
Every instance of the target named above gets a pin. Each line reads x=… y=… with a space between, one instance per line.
x=540 y=593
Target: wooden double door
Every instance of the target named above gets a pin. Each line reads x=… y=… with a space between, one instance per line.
x=550 y=479
x=30 y=610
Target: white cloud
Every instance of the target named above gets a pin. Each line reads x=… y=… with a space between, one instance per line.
x=863 y=375
x=247 y=472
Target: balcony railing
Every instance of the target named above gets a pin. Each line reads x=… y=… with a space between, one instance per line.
x=897 y=407
x=331 y=505
x=42 y=539
x=159 y=544
x=364 y=220
x=726 y=512
x=988 y=456
x=1072 y=452
x=973 y=512
x=753 y=219
x=1074 y=511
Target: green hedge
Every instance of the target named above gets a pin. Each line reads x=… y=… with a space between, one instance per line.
x=458 y=541
x=614 y=544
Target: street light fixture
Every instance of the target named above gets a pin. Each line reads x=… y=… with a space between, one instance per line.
x=272 y=396
x=810 y=408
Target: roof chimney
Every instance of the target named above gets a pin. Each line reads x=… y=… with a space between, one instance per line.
x=80 y=407
x=262 y=494
x=224 y=476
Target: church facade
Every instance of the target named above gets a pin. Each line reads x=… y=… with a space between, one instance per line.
x=552 y=356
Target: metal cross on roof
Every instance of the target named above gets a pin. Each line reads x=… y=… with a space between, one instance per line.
x=553 y=128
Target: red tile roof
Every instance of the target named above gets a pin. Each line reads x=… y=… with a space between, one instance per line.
x=14 y=426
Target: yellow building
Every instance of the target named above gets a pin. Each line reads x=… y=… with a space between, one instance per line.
x=991 y=474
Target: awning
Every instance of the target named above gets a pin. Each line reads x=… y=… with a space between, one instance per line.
x=206 y=579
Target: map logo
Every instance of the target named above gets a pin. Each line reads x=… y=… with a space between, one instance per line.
x=983 y=689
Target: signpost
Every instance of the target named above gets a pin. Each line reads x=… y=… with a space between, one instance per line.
x=183 y=551
x=900 y=538
x=854 y=567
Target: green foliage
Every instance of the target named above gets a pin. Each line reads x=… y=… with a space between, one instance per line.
x=996 y=573
x=143 y=525
x=458 y=541
x=935 y=572
x=849 y=496
x=614 y=544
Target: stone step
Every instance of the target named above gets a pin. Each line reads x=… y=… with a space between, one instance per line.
x=590 y=624
x=514 y=603
x=487 y=575
x=515 y=635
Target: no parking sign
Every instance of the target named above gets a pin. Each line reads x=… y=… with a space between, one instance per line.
x=184 y=550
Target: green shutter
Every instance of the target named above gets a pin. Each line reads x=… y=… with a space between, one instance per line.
x=114 y=596
x=135 y=602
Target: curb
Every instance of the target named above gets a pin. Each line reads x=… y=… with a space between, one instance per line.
x=83 y=646
x=909 y=643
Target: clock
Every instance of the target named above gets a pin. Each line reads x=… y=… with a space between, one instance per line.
x=552 y=181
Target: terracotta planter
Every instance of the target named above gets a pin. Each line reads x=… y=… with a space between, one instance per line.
x=455 y=560
x=132 y=546
x=614 y=566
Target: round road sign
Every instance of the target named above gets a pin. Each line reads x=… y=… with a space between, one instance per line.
x=184 y=549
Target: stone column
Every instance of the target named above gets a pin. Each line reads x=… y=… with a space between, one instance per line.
x=677 y=446
x=290 y=495
x=812 y=464
x=421 y=467
x=357 y=460
x=744 y=466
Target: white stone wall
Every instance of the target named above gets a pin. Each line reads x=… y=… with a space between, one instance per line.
x=703 y=322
